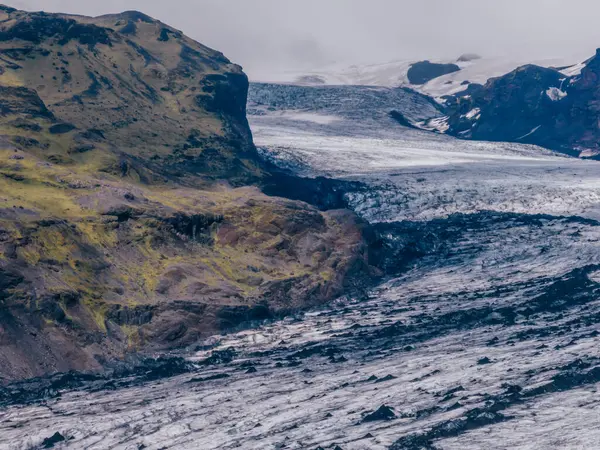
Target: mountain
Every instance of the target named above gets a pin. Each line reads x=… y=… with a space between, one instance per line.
x=131 y=218
x=151 y=96
x=533 y=105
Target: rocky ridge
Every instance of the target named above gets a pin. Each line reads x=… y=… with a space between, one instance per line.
x=421 y=72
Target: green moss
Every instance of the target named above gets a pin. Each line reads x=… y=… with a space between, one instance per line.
x=97 y=311
x=93 y=255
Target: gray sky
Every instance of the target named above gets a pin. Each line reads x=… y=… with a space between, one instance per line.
x=273 y=35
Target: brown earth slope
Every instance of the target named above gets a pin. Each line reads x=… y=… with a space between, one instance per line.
x=127 y=217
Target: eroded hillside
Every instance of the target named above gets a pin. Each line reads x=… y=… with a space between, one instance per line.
x=128 y=219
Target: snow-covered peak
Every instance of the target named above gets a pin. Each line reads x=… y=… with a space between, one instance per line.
x=394 y=73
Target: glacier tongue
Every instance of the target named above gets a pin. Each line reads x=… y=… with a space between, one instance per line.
x=415 y=175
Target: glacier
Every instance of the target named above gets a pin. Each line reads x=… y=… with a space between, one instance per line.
x=487 y=337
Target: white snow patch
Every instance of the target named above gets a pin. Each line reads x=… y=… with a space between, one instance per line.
x=594 y=276
x=555 y=94
x=439 y=124
x=321 y=119
x=573 y=70
x=588 y=153
x=473 y=113
x=530 y=133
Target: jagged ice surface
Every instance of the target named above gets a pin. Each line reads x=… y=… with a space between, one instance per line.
x=489 y=339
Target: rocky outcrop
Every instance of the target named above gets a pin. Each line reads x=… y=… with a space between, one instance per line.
x=22 y=100
x=424 y=71
x=533 y=105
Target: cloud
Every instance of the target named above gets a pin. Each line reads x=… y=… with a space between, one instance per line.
x=272 y=35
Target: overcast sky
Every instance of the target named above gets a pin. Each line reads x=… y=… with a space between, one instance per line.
x=273 y=35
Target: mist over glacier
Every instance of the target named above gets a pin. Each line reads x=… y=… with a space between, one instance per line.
x=270 y=36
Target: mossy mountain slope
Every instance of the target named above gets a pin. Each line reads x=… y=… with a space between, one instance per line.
x=128 y=222
x=138 y=90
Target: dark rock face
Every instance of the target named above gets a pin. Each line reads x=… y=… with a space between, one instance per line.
x=26 y=125
x=195 y=226
x=232 y=317
x=511 y=106
x=533 y=105
x=130 y=28
x=401 y=119
x=383 y=413
x=40 y=26
x=139 y=315
x=61 y=128
x=21 y=100
x=53 y=440
x=230 y=92
x=424 y=71
x=8 y=280
x=324 y=193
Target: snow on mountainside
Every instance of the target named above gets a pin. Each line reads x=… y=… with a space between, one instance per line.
x=394 y=73
x=549 y=103
x=533 y=105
